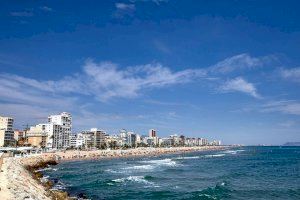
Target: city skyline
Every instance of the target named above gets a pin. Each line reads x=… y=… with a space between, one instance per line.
x=216 y=71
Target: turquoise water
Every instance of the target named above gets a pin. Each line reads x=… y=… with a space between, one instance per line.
x=241 y=173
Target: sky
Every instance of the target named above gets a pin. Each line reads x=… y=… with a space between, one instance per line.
x=227 y=70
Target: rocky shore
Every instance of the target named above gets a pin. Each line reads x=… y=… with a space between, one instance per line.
x=20 y=180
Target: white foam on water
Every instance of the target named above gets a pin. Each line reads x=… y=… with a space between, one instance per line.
x=140 y=167
x=187 y=158
x=137 y=179
x=215 y=155
x=44 y=169
x=111 y=171
x=163 y=162
x=207 y=196
x=233 y=151
x=230 y=152
x=44 y=179
x=59 y=186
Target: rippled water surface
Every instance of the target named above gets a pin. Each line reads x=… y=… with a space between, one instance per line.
x=241 y=173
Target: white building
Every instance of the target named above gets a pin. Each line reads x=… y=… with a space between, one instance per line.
x=73 y=140
x=93 y=138
x=165 y=142
x=175 y=140
x=131 y=139
x=61 y=134
x=6 y=131
x=152 y=133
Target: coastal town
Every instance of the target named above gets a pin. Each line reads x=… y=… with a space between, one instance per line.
x=56 y=134
x=23 y=153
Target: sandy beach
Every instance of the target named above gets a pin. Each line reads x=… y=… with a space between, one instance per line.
x=16 y=182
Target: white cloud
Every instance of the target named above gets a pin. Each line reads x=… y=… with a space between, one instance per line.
x=109 y=81
x=240 y=85
x=292 y=74
x=102 y=80
x=287 y=107
x=124 y=6
x=46 y=8
x=240 y=62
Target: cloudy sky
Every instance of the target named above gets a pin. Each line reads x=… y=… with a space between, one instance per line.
x=217 y=69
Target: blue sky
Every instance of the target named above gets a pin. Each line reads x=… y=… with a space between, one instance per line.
x=218 y=69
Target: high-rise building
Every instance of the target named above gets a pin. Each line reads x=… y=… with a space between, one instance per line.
x=131 y=139
x=99 y=138
x=152 y=133
x=6 y=131
x=62 y=133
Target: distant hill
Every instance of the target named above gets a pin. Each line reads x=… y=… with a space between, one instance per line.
x=292 y=144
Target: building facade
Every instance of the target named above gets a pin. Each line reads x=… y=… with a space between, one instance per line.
x=62 y=128
x=152 y=133
x=6 y=131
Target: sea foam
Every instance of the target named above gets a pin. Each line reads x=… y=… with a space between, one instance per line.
x=215 y=155
x=187 y=158
x=135 y=179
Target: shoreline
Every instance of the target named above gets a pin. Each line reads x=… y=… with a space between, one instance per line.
x=17 y=171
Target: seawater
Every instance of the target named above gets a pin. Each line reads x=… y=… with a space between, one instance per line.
x=240 y=173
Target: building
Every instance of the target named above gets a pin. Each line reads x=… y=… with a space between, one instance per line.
x=181 y=140
x=73 y=140
x=175 y=140
x=152 y=133
x=131 y=139
x=112 y=141
x=93 y=138
x=6 y=131
x=216 y=143
x=98 y=138
x=37 y=135
x=165 y=142
x=79 y=140
x=61 y=137
x=18 y=134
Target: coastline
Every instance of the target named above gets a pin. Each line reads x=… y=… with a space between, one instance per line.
x=19 y=181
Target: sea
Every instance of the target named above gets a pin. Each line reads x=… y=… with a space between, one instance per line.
x=236 y=173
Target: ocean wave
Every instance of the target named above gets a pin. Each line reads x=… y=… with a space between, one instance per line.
x=111 y=171
x=44 y=169
x=232 y=151
x=147 y=166
x=218 y=192
x=44 y=179
x=215 y=155
x=165 y=162
x=59 y=186
x=140 y=167
x=136 y=179
x=187 y=158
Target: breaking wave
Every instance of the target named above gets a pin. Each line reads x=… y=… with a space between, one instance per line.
x=136 y=179
x=163 y=162
x=187 y=158
x=215 y=155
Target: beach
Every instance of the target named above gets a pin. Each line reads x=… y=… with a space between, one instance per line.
x=16 y=182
